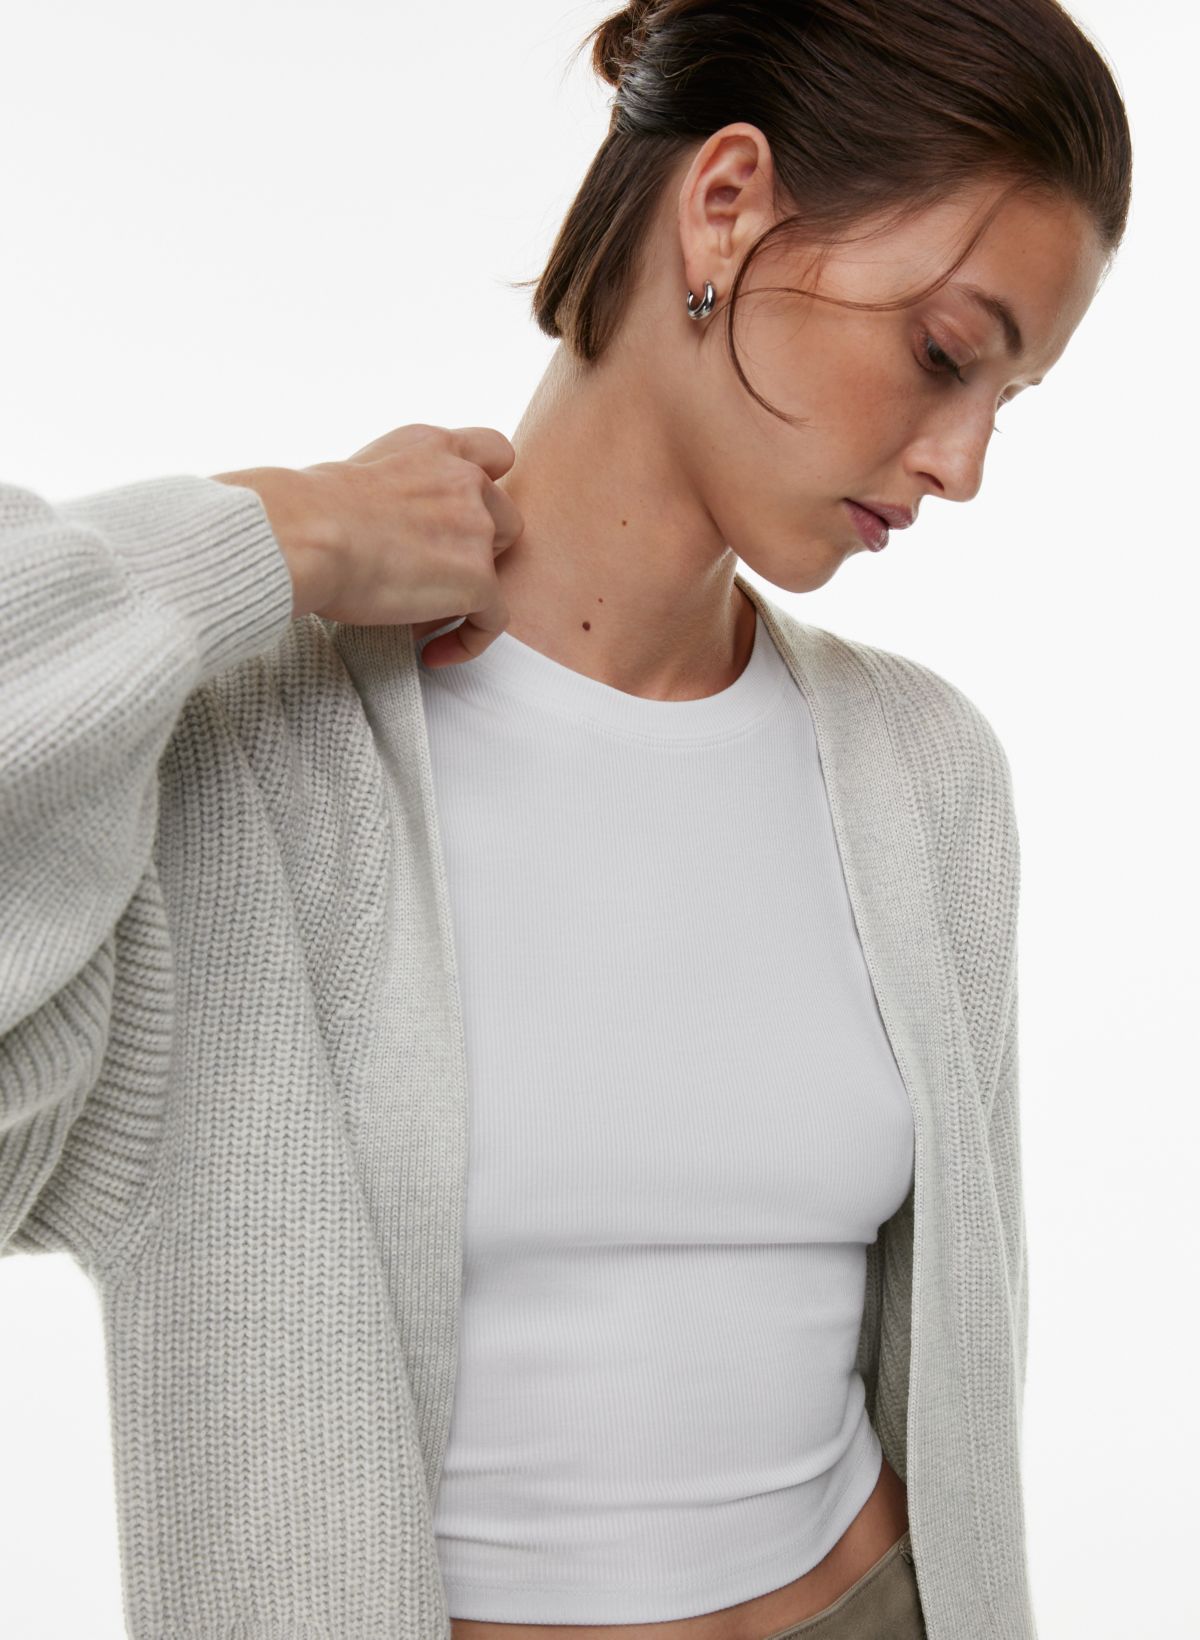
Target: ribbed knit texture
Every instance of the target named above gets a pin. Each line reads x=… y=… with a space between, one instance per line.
x=233 y=1082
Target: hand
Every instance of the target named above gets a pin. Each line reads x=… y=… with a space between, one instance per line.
x=404 y=532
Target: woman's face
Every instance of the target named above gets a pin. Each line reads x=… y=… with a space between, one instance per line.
x=892 y=406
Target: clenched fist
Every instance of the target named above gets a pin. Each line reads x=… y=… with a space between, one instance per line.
x=404 y=532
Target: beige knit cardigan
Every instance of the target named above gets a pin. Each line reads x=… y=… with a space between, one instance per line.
x=232 y=1079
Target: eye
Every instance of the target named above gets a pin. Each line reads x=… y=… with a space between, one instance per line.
x=940 y=358
x=944 y=362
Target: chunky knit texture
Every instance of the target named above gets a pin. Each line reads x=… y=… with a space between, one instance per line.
x=232 y=1082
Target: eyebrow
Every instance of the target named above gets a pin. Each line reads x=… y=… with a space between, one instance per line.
x=1000 y=311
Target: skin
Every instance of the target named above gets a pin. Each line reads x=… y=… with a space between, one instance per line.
x=645 y=478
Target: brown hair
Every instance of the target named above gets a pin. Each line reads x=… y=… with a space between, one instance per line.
x=873 y=109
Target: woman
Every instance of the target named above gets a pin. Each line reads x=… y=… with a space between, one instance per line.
x=545 y=1131
x=931 y=152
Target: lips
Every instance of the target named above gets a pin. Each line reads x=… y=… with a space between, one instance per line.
x=896 y=518
x=871 y=528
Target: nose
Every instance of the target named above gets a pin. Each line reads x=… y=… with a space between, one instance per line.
x=948 y=455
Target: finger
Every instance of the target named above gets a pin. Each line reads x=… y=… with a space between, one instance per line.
x=486 y=447
x=471 y=638
x=395 y=441
x=505 y=516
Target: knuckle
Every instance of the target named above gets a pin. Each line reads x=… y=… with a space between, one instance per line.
x=484 y=590
x=473 y=512
x=470 y=518
x=461 y=486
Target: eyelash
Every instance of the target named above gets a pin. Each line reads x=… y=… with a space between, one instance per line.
x=941 y=358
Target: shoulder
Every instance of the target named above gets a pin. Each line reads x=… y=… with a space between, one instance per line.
x=961 y=777
x=953 y=759
x=935 y=723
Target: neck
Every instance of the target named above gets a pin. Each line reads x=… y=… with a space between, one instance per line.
x=619 y=573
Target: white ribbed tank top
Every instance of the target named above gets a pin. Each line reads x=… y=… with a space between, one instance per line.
x=686 y=1124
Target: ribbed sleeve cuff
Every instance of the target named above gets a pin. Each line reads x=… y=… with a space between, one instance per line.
x=204 y=548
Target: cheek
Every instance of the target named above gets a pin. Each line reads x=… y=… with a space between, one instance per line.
x=850 y=415
x=874 y=413
x=841 y=395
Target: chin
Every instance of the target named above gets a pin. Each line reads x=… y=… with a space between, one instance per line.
x=805 y=575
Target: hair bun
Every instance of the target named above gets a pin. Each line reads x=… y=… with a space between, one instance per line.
x=616 y=41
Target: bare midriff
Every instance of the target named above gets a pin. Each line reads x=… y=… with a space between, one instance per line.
x=879 y=1523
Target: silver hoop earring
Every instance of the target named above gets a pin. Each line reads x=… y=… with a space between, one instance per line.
x=702 y=309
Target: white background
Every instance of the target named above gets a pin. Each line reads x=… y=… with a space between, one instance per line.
x=246 y=233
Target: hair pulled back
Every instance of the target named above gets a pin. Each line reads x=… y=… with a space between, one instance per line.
x=874 y=110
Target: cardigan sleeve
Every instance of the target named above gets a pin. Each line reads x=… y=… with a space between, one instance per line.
x=964 y=786
x=113 y=609
x=979 y=859
x=1004 y=1145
